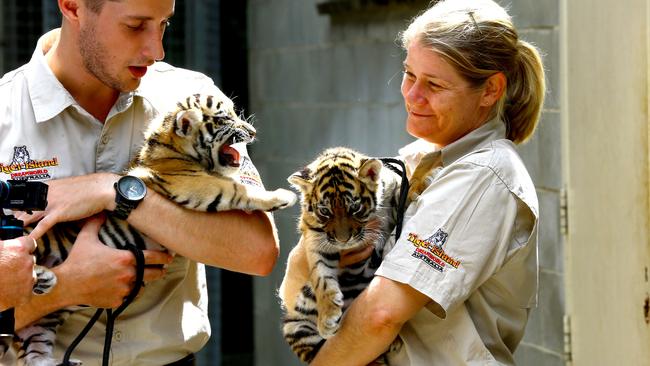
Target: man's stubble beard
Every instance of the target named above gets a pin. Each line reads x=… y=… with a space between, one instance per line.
x=96 y=60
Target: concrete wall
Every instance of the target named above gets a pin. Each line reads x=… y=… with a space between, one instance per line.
x=318 y=81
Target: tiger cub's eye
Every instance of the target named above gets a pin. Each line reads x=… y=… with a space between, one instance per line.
x=324 y=211
x=355 y=207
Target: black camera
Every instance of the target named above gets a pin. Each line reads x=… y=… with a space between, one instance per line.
x=17 y=195
x=23 y=195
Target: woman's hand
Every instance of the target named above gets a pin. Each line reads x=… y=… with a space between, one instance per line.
x=352 y=256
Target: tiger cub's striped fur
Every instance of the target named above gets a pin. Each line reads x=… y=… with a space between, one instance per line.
x=348 y=202
x=186 y=157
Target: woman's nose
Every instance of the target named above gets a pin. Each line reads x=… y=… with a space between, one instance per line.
x=415 y=95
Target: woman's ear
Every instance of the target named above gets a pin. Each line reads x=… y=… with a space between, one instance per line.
x=495 y=86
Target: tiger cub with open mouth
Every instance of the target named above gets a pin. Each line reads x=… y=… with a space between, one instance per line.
x=188 y=157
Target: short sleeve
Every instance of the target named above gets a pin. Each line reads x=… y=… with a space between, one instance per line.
x=456 y=234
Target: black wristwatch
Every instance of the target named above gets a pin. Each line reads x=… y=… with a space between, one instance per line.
x=129 y=191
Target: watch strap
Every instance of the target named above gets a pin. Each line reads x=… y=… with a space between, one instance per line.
x=123 y=207
x=122 y=210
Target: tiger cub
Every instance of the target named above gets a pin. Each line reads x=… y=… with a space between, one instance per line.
x=348 y=202
x=187 y=157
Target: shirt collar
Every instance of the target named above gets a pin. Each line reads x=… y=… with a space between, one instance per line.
x=48 y=96
x=490 y=131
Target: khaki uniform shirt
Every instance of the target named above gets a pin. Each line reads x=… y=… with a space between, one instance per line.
x=469 y=243
x=45 y=134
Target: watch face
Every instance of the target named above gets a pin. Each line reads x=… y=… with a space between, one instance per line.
x=131 y=188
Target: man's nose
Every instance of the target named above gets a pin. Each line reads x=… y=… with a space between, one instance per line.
x=154 y=49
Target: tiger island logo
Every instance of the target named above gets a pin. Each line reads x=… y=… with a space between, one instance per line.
x=430 y=250
x=22 y=167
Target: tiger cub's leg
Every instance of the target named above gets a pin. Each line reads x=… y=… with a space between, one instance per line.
x=329 y=298
x=299 y=328
x=219 y=194
x=37 y=341
x=258 y=199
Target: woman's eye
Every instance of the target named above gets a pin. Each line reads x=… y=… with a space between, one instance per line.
x=408 y=75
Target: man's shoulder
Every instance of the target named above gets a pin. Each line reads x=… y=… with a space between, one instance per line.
x=165 y=84
x=162 y=72
x=13 y=76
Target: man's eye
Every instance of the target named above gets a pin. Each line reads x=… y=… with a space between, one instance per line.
x=135 y=27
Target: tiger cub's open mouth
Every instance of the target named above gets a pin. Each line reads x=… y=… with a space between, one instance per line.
x=228 y=156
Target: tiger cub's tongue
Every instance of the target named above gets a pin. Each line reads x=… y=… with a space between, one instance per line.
x=230 y=154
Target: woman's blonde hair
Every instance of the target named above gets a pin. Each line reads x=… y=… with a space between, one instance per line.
x=478 y=38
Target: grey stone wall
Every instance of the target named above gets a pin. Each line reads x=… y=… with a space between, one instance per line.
x=318 y=81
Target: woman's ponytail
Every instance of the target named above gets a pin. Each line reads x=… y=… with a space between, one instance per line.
x=525 y=94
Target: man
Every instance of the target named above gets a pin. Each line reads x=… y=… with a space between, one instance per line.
x=78 y=109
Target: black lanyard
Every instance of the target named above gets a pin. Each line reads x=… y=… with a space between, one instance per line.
x=391 y=163
x=110 y=315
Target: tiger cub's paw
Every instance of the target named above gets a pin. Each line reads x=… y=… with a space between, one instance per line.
x=330 y=309
x=282 y=198
x=45 y=280
x=44 y=361
x=396 y=346
x=73 y=363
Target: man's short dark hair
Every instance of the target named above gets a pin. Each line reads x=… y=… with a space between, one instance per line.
x=96 y=5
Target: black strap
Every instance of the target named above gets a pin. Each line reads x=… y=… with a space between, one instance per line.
x=188 y=360
x=110 y=314
x=391 y=163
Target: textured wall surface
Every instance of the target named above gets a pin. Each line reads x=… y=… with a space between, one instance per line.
x=318 y=81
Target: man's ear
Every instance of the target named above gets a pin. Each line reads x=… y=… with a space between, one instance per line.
x=70 y=9
x=495 y=86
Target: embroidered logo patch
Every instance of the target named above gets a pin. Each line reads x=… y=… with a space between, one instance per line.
x=439 y=238
x=430 y=250
x=22 y=167
x=248 y=173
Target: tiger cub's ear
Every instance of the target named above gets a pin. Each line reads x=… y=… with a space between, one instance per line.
x=301 y=179
x=186 y=120
x=369 y=170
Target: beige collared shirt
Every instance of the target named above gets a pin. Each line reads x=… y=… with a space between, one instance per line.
x=45 y=134
x=469 y=243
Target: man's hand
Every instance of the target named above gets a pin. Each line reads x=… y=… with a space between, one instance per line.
x=100 y=276
x=72 y=199
x=16 y=271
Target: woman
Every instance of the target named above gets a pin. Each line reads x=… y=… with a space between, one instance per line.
x=458 y=285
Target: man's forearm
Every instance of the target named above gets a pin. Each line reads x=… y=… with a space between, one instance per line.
x=232 y=240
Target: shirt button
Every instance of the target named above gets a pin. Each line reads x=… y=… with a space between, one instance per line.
x=104 y=139
x=117 y=335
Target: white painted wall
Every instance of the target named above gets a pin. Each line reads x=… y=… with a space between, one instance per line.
x=605 y=131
